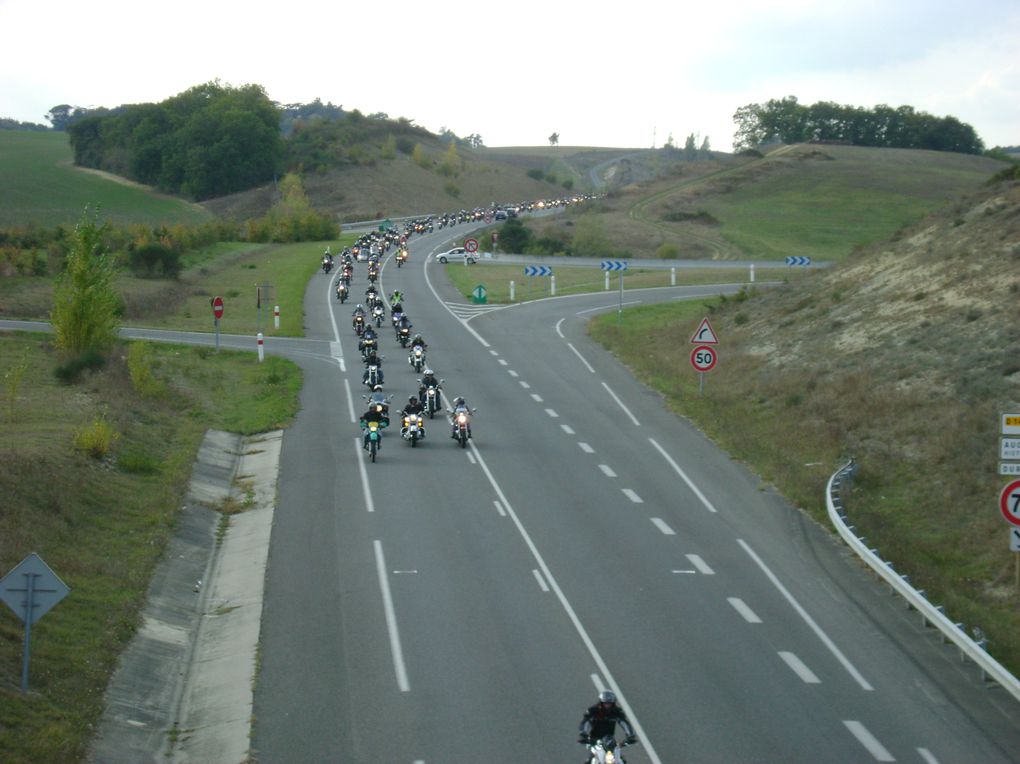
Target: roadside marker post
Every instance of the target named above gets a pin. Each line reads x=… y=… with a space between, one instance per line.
x=276 y=317
x=262 y=350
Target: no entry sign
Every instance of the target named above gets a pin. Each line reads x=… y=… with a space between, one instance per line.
x=217 y=307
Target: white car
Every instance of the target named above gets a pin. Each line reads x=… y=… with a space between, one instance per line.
x=457 y=253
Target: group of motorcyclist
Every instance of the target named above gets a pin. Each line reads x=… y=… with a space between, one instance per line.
x=368 y=346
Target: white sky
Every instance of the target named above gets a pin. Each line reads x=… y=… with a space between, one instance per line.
x=515 y=71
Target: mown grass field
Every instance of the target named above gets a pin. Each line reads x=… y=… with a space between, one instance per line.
x=42 y=187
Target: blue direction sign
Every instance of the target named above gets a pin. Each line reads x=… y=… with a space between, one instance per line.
x=798 y=260
x=614 y=265
x=537 y=270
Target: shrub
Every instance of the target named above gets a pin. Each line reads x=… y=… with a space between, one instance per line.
x=139 y=363
x=536 y=174
x=451 y=188
x=71 y=370
x=667 y=252
x=154 y=259
x=96 y=438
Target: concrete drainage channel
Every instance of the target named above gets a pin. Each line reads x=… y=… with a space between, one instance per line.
x=182 y=690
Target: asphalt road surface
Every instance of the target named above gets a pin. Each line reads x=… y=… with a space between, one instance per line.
x=464 y=605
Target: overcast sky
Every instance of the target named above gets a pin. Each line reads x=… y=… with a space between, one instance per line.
x=621 y=75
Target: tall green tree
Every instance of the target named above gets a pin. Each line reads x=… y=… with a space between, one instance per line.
x=85 y=301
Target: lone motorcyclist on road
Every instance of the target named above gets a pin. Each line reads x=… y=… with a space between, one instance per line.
x=600 y=721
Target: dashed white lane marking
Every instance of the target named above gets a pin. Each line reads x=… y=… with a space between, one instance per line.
x=588 y=365
x=499 y=508
x=661 y=525
x=541 y=581
x=741 y=607
x=586 y=448
x=869 y=741
x=683 y=476
x=630 y=494
x=806 y=675
x=620 y=404
x=567 y=429
x=536 y=398
x=701 y=565
x=525 y=385
x=512 y=373
x=552 y=413
x=607 y=470
x=391 y=619
x=927 y=755
x=503 y=362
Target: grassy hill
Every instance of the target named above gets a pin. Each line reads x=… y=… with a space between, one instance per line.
x=41 y=186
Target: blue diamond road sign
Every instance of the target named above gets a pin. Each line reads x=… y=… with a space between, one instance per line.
x=614 y=265
x=797 y=260
x=537 y=270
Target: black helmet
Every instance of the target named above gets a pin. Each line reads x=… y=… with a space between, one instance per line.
x=607 y=696
x=412 y=399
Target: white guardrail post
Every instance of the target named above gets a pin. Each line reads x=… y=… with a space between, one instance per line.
x=990 y=668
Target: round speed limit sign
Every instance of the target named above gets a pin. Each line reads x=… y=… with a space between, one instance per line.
x=703 y=358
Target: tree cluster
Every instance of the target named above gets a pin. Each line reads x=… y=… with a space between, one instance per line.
x=208 y=141
x=787 y=121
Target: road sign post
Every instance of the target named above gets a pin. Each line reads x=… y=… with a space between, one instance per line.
x=703 y=357
x=217 y=310
x=621 y=266
x=471 y=247
x=30 y=590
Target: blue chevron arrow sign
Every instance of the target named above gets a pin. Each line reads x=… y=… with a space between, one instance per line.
x=796 y=260
x=537 y=270
x=614 y=265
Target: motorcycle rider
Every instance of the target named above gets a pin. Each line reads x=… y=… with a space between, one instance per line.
x=368 y=334
x=429 y=380
x=413 y=406
x=374 y=414
x=403 y=323
x=459 y=406
x=396 y=298
x=600 y=721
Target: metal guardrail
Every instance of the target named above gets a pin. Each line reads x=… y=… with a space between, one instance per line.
x=974 y=649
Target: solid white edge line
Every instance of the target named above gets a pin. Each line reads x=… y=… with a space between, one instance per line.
x=366 y=489
x=569 y=610
x=869 y=741
x=620 y=404
x=850 y=668
x=797 y=665
x=541 y=582
x=741 y=607
x=499 y=508
x=391 y=619
x=683 y=476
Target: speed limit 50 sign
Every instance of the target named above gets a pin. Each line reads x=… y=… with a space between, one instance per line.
x=703 y=358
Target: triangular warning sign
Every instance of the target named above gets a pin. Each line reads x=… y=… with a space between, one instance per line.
x=704 y=335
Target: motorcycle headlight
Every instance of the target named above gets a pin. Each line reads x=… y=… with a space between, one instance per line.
x=610 y=757
x=462 y=419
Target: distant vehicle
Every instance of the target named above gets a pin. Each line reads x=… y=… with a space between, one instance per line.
x=457 y=253
x=500 y=215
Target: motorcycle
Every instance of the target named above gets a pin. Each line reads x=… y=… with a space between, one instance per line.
x=401 y=257
x=341 y=292
x=371 y=377
x=404 y=335
x=374 y=436
x=462 y=425
x=413 y=429
x=327 y=264
x=417 y=358
x=378 y=314
x=368 y=344
x=606 y=751
x=431 y=401
x=359 y=324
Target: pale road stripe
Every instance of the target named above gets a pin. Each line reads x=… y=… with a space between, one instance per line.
x=607 y=470
x=365 y=488
x=850 y=668
x=741 y=607
x=806 y=675
x=512 y=373
x=499 y=508
x=536 y=398
x=620 y=404
x=493 y=352
x=927 y=755
x=552 y=414
x=335 y=350
x=683 y=476
x=541 y=581
x=600 y=664
x=630 y=494
x=661 y=525
x=567 y=429
x=525 y=385
x=557 y=327
x=569 y=345
x=350 y=401
x=700 y=564
x=586 y=448
x=869 y=741
x=391 y=619
x=597 y=681
x=503 y=362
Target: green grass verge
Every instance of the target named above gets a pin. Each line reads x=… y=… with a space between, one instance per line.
x=102 y=524
x=42 y=187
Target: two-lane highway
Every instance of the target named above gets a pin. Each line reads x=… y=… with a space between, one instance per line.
x=460 y=605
